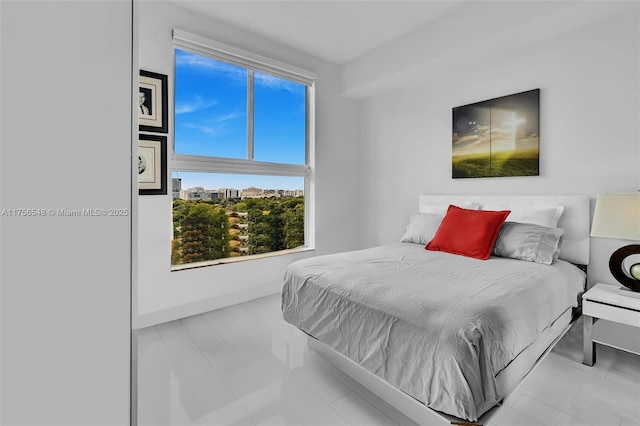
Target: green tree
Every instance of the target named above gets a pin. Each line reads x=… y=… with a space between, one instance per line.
x=256 y=222
x=202 y=229
x=294 y=226
x=203 y=234
x=274 y=229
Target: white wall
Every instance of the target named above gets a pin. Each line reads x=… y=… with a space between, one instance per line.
x=66 y=144
x=165 y=295
x=585 y=58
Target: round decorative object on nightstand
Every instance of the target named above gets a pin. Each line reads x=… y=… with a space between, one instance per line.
x=635 y=271
x=631 y=278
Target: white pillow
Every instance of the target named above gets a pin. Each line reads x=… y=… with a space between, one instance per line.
x=423 y=225
x=526 y=241
x=421 y=228
x=442 y=209
x=542 y=214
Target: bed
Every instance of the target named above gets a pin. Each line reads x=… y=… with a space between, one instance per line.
x=441 y=337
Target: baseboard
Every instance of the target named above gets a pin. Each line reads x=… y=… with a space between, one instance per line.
x=182 y=311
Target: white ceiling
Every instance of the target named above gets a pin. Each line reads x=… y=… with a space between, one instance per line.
x=337 y=31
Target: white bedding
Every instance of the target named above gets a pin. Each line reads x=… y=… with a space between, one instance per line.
x=437 y=326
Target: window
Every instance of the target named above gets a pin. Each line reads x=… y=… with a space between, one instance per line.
x=241 y=168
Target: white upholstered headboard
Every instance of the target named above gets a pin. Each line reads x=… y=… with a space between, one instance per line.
x=575 y=219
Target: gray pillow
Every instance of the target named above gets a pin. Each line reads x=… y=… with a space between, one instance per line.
x=530 y=242
x=421 y=229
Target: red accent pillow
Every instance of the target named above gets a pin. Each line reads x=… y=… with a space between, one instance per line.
x=470 y=233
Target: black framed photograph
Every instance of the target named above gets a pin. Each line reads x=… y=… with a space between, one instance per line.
x=153 y=102
x=498 y=137
x=152 y=164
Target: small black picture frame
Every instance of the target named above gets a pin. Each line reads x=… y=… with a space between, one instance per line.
x=152 y=102
x=152 y=164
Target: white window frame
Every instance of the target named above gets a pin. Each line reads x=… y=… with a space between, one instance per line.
x=193 y=43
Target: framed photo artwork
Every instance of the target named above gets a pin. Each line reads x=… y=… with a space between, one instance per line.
x=152 y=164
x=497 y=137
x=153 y=102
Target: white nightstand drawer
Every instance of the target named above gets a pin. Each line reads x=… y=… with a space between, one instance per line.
x=611 y=313
x=604 y=302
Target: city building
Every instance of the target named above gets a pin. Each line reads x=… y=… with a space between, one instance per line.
x=176 y=186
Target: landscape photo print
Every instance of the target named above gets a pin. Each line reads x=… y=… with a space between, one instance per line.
x=498 y=137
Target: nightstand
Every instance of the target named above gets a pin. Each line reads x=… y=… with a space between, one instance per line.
x=602 y=301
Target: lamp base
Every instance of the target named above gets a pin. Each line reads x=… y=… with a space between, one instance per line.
x=623 y=291
x=615 y=266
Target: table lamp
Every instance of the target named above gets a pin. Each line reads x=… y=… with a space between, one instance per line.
x=618 y=216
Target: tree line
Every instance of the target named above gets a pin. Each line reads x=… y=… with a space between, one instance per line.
x=217 y=229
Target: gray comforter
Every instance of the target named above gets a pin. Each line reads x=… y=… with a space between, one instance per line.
x=437 y=326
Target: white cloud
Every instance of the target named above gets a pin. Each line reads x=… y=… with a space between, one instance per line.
x=270 y=81
x=196 y=104
x=204 y=129
x=219 y=123
x=227 y=117
x=207 y=64
x=196 y=62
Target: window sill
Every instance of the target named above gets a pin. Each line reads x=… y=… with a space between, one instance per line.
x=239 y=259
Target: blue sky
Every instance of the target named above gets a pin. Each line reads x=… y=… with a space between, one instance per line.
x=211 y=118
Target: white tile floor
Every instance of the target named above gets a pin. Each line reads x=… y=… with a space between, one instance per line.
x=244 y=365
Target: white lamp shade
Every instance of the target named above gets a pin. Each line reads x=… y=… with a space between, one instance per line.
x=617 y=216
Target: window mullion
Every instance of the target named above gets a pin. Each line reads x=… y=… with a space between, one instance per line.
x=203 y=164
x=250 y=93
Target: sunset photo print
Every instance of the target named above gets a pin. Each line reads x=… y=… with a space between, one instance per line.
x=497 y=137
